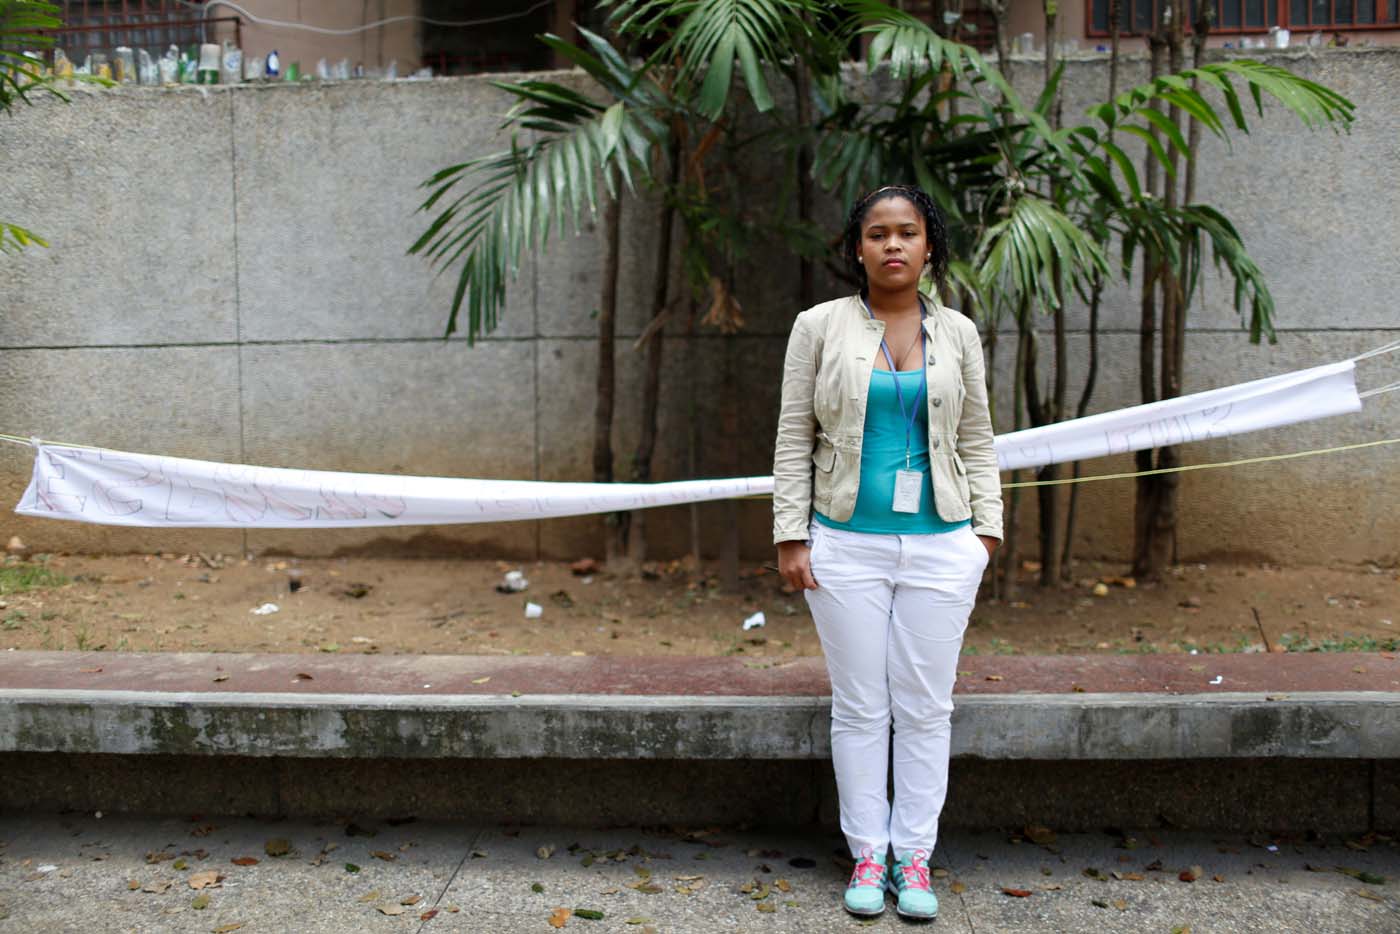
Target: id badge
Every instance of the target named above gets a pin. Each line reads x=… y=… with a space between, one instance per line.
x=908 y=487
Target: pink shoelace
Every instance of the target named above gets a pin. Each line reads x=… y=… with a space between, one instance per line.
x=868 y=872
x=916 y=872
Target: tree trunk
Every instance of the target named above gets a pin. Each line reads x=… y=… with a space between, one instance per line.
x=729 y=444
x=651 y=380
x=806 y=268
x=693 y=440
x=1010 y=550
x=1091 y=379
x=615 y=524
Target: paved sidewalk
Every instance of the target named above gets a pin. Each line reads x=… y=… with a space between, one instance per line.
x=75 y=872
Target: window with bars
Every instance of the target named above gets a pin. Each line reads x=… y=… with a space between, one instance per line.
x=1136 y=17
x=100 y=25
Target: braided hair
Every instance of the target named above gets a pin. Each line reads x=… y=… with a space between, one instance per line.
x=935 y=230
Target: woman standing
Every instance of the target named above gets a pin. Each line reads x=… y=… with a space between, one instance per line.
x=886 y=510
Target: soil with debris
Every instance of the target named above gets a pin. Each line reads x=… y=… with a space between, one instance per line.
x=215 y=603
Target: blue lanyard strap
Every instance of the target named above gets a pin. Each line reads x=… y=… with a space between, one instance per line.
x=911 y=414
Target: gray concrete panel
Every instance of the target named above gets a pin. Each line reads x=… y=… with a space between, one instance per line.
x=327 y=179
x=178 y=401
x=133 y=191
x=423 y=408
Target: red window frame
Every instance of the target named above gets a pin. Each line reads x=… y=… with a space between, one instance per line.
x=1282 y=18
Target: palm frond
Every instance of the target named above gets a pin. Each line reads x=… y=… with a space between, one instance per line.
x=708 y=37
x=1314 y=104
x=24 y=25
x=14 y=239
x=1034 y=245
x=493 y=208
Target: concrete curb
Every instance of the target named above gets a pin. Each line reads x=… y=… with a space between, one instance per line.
x=1031 y=726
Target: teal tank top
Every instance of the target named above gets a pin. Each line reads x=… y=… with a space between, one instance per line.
x=882 y=453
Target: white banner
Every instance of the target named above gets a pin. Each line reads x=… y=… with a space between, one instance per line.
x=117 y=488
x=1232 y=410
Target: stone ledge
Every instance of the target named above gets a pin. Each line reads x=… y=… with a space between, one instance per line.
x=1030 y=726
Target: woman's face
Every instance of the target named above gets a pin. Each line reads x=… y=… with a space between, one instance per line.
x=893 y=244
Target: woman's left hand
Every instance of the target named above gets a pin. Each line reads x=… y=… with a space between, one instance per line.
x=990 y=544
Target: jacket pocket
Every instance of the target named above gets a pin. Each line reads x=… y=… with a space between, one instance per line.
x=960 y=473
x=824 y=457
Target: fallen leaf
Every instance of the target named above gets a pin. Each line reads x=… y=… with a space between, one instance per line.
x=384 y=855
x=371 y=896
x=1366 y=893
x=228 y=928
x=993 y=678
x=1120 y=904
x=202 y=879
x=589 y=914
x=244 y=861
x=222 y=678
x=277 y=846
x=180 y=864
x=158 y=856
x=201 y=901
x=559 y=917
x=544 y=852
x=481 y=680
x=411 y=900
x=1361 y=875
x=1098 y=903
x=132 y=885
x=786 y=886
x=390 y=909
x=637 y=921
x=1016 y=893
x=303 y=676
x=351 y=867
x=766 y=907
x=1040 y=835
x=157 y=886
x=1191 y=875
x=537 y=888
x=90 y=671
x=1129 y=876
x=957 y=888
x=428 y=915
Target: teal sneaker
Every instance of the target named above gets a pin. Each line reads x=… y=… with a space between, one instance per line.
x=909 y=881
x=865 y=895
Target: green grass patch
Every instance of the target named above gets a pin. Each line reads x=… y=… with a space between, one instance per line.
x=17 y=578
x=1294 y=643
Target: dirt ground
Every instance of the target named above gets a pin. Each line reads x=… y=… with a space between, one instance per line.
x=207 y=602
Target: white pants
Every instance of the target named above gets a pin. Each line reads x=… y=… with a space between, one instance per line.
x=891 y=611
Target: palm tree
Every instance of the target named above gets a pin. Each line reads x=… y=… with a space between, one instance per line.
x=1034 y=207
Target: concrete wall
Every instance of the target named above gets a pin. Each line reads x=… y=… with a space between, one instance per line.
x=227 y=280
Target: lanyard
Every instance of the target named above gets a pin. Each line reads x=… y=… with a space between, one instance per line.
x=912 y=413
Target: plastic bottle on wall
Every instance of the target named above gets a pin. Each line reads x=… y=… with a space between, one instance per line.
x=231 y=64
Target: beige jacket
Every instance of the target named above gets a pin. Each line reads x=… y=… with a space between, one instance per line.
x=826 y=379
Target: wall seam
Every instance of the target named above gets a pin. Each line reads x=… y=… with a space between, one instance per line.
x=629 y=336
x=237 y=292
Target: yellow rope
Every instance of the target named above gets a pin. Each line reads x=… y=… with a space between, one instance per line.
x=1185 y=467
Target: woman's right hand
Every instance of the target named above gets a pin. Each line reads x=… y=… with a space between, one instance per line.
x=795 y=565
